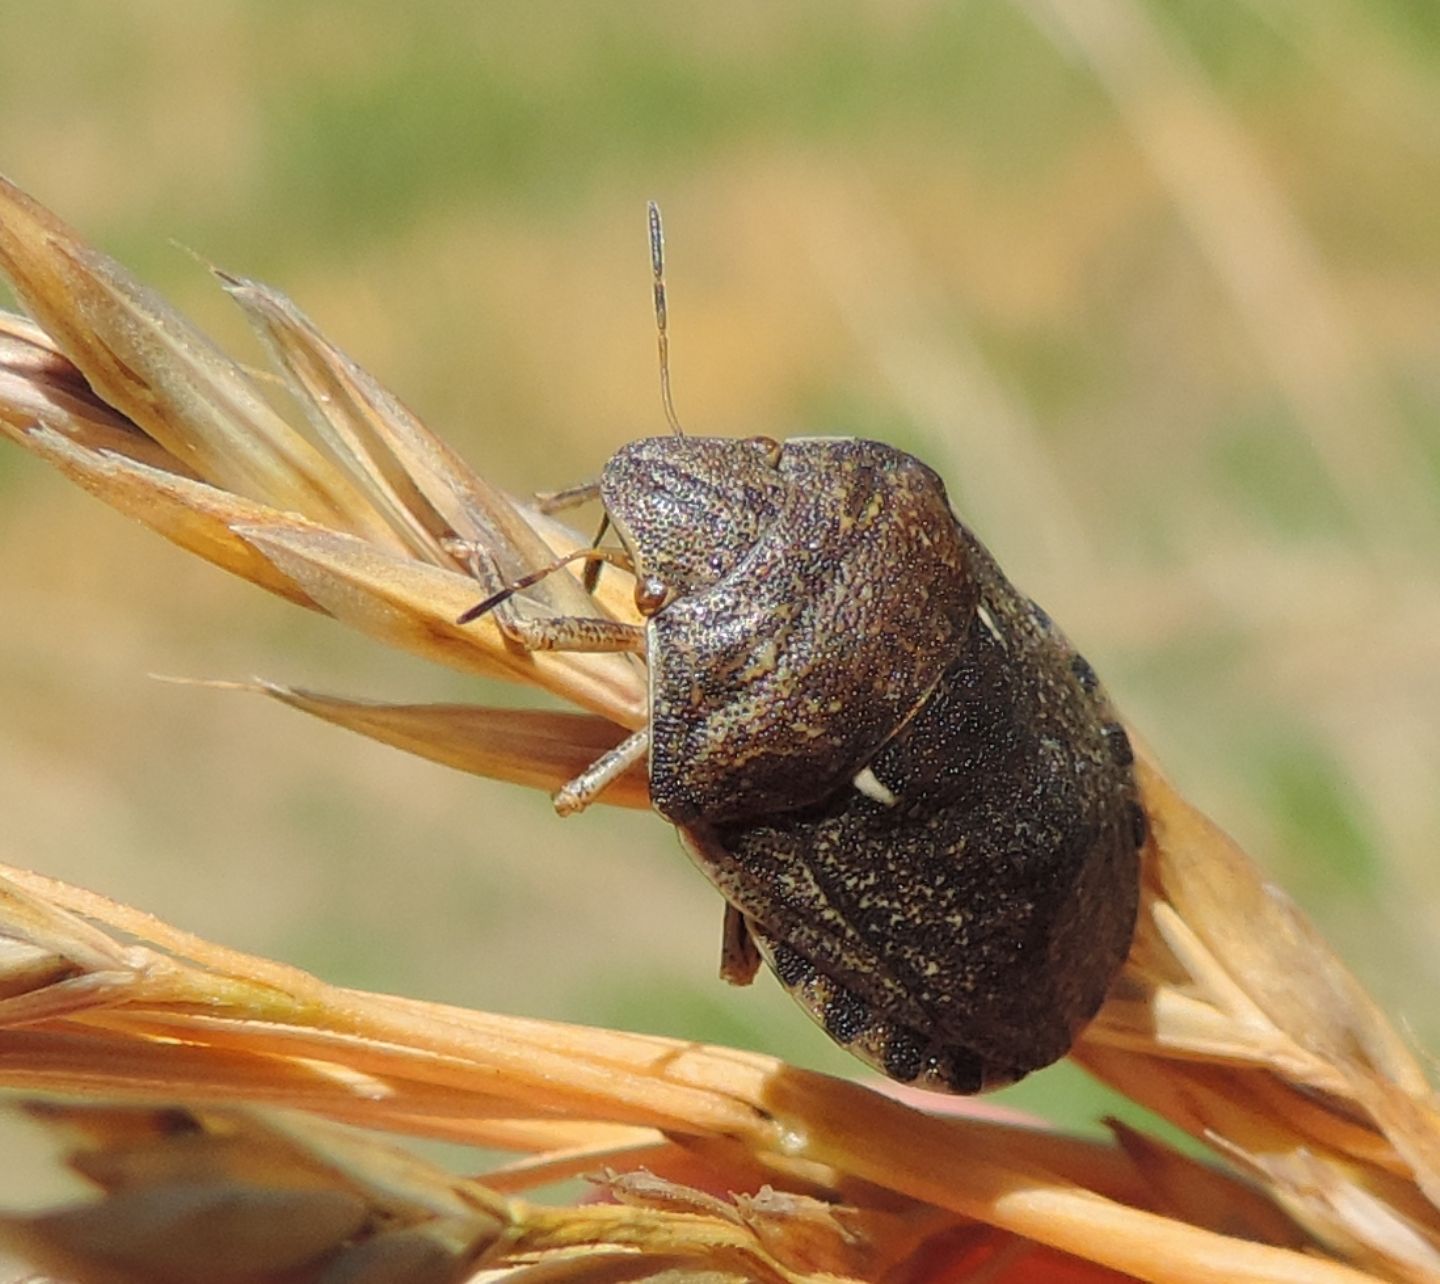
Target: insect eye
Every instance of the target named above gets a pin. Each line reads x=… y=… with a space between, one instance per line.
x=651 y=595
x=770 y=447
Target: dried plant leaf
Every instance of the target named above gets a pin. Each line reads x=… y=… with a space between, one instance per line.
x=1364 y=1227
x=190 y=1232
x=341 y=402
x=540 y=748
x=40 y=386
x=414 y=606
x=28 y=351
x=1410 y=1124
x=1205 y=1196
x=192 y=514
x=395 y=598
x=190 y=1195
x=423 y=1055
x=224 y=1195
x=429 y=491
x=1270 y=949
x=1294 y=1068
x=149 y=363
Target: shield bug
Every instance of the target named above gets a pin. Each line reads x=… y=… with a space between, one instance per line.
x=910 y=789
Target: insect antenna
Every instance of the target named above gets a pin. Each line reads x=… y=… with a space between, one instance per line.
x=557 y=501
x=657 y=266
x=615 y=556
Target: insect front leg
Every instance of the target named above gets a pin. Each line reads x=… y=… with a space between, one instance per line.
x=573 y=633
x=564 y=633
x=557 y=633
x=557 y=501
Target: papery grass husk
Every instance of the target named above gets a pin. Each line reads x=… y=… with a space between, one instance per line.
x=1232 y=1018
x=106 y=1000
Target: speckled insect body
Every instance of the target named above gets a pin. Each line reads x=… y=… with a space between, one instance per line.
x=911 y=791
x=801 y=626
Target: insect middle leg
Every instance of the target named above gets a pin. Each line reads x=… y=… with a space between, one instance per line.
x=739 y=955
x=557 y=501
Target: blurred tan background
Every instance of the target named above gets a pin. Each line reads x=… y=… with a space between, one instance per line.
x=1155 y=286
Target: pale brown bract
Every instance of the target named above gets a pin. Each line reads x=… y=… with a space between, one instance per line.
x=1231 y=1017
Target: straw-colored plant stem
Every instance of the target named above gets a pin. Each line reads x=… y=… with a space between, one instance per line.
x=1232 y=1018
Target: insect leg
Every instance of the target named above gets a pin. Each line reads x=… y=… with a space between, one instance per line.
x=557 y=633
x=591 y=782
x=739 y=955
x=557 y=501
x=577 y=633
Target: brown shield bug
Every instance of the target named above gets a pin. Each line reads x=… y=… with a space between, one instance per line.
x=910 y=789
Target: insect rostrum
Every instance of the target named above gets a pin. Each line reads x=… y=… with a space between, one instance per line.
x=909 y=788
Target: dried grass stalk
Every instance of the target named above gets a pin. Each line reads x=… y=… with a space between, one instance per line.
x=1232 y=1018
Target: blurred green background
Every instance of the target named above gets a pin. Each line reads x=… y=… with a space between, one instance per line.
x=1155 y=286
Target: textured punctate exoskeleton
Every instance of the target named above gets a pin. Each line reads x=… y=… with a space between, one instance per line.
x=910 y=789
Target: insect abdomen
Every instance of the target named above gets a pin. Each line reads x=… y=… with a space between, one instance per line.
x=959 y=918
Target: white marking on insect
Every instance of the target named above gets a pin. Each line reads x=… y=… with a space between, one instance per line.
x=988 y=621
x=869 y=784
